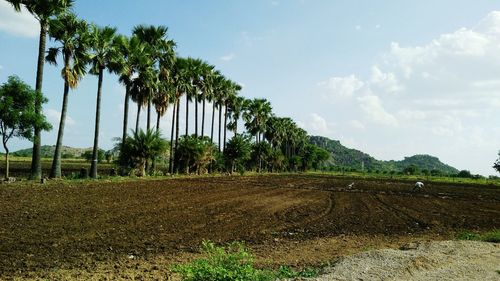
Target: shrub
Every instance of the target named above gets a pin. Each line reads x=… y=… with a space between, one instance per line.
x=221 y=264
x=194 y=154
x=490 y=236
x=237 y=153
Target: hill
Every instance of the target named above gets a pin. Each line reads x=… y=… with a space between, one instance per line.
x=347 y=158
x=47 y=151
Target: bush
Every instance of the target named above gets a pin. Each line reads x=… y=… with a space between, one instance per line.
x=237 y=153
x=221 y=264
x=194 y=154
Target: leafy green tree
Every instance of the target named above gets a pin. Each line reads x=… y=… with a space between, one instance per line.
x=140 y=147
x=18 y=115
x=43 y=11
x=496 y=165
x=237 y=153
x=410 y=170
x=464 y=174
x=104 y=55
x=72 y=34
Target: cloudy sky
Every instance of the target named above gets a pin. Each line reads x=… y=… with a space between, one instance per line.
x=391 y=78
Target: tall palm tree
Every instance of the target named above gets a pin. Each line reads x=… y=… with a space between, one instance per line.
x=105 y=55
x=217 y=79
x=237 y=105
x=72 y=34
x=180 y=79
x=156 y=38
x=206 y=90
x=256 y=115
x=232 y=91
x=134 y=55
x=42 y=10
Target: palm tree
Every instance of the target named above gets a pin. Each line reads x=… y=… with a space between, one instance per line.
x=104 y=56
x=42 y=10
x=232 y=91
x=72 y=33
x=133 y=52
x=256 y=115
x=155 y=37
x=182 y=85
x=216 y=81
x=237 y=105
x=206 y=90
x=141 y=146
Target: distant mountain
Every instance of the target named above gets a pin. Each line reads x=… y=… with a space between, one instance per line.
x=354 y=159
x=47 y=151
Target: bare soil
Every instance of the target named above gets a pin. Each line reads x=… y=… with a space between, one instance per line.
x=138 y=229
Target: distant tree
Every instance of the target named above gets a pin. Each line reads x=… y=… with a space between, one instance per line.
x=237 y=153
x=464 y=174
x=88 y=155
x=410 y=170
x=496 y=165
x=18 y=114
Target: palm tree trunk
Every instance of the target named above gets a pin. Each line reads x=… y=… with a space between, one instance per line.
x=36 y=165
x=137 y=118
x=177 y=130
x=235 y=127
x=203 y=116
x=171 y=162
x=149 y=117
x=93 y=165
x=213 y=119
x=225 y=125
x=158 y=116
x=187 y=115
x=55 y=171
x=220 y=124
x=125 y=115
x=196 y=115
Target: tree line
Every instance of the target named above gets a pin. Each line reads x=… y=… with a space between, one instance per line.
x=155 y=78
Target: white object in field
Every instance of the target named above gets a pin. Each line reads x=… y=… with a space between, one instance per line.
x=419 y=185
x=350 y=185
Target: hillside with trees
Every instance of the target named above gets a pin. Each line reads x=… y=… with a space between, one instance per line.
x=343 y=158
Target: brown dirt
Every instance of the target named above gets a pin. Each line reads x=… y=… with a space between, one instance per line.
x=137 y=229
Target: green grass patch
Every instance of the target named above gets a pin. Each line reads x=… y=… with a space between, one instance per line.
x=490 y=236
x=233 y=262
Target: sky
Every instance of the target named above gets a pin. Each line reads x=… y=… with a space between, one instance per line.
x=391 y=78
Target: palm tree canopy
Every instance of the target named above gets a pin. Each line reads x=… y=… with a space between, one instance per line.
x=105 y=52
x=75 y=41
x=42 y=10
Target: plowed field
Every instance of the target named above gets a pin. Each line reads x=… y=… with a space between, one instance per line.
x=137 y=229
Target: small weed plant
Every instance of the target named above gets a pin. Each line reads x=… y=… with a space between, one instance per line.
x=233 y=262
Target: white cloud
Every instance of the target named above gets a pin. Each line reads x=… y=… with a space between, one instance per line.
x=54 y=117
x=228 y=57
x=372 y=107
x=357 y=124
x=341 y=86
x=316 y=125
x=387 y=82
x=377 y=26
x=21 y=24
x=357 y=27
x=275 y=3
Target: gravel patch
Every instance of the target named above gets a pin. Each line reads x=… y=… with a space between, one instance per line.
x=439 y=260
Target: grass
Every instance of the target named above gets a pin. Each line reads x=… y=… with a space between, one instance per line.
x=489 y=236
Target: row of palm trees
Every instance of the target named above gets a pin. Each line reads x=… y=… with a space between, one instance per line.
x=154 y=77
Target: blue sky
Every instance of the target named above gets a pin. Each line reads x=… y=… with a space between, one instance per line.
x=391 y=78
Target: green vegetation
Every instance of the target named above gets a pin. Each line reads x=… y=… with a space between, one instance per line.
x=18 y=116
x=139 y=148
x=490 y=236
x=233 y=263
